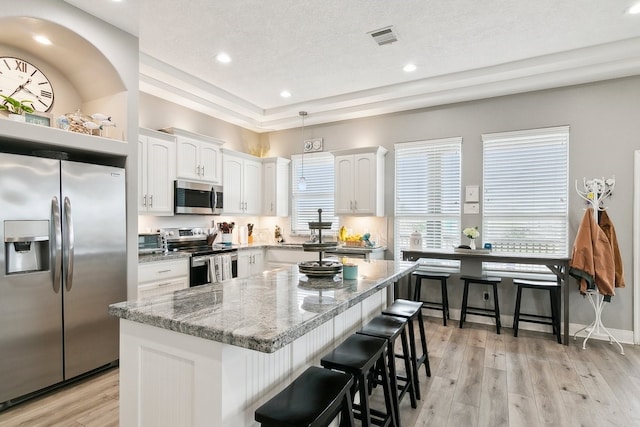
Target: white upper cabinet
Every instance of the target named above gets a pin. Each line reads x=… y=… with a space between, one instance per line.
x=275 y=186
x=242 y=175
x=359 y=181
x=198 y=156
x=156 y=172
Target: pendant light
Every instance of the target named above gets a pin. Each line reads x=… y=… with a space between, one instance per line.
x=302 y=183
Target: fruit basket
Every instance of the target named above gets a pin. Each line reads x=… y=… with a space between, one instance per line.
x=355 y=244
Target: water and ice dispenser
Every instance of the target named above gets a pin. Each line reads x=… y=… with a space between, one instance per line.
x=26 y=246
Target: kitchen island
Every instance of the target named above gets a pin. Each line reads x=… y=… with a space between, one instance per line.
x=211 y=355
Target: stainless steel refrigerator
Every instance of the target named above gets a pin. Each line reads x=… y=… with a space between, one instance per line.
x=63 y=262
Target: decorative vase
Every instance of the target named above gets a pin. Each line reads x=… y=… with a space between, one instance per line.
x=472 y=243
x=17 y=117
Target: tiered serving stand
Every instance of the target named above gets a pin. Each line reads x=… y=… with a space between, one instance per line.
x=321 y=274
x=320 y=268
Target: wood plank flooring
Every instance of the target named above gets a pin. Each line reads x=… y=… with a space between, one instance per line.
x=478 y=379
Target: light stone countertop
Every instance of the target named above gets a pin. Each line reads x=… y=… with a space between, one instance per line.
x=264 y=312
x=168 y=256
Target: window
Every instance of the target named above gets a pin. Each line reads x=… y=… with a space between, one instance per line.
x=319 y=175
x=427 y=194
x=525 y=207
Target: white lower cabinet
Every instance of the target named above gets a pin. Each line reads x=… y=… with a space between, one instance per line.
x=161 y=277
x=250 y=262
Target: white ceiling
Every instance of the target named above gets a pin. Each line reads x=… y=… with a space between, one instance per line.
x=320 y=51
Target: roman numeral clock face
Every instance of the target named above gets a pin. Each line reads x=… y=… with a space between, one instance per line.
x=25 y=82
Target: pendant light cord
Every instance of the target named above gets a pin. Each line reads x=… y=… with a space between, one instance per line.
x=302 y=182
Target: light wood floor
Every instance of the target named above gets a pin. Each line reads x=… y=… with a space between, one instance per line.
x=478 y=379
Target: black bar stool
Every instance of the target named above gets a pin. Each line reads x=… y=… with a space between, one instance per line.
x=358 y=355
x=390 y=328
x=412 y=310
x=436 y=276
x=313 y=399
x=481 y=311
x=554 y=297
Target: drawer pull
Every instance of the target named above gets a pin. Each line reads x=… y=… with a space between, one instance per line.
x=164 y=271
x=165 y=284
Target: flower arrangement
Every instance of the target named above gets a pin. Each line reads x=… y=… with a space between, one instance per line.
x=471 y=232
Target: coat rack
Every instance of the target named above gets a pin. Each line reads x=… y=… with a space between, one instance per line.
x=594 y=192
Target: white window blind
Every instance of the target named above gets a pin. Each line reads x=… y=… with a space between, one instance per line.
x=427 y=194
x=525 y=207
x=319 y=193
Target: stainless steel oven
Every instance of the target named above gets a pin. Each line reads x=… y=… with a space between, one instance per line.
x=194 y=242
x=197 y=198
x=201 y=268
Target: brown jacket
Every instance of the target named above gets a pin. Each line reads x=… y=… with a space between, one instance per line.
x=607 y=226
x=592 y=260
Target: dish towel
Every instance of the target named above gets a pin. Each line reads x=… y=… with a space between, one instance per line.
x=226 y=267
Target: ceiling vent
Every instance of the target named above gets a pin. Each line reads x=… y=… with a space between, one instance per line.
x=384 y=35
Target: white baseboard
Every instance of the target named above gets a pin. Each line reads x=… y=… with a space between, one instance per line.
x=624 y=336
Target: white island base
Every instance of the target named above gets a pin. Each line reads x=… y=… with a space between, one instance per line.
x=172 y=379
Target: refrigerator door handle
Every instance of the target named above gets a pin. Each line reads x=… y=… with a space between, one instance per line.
x=70 y=241
x=57 y=232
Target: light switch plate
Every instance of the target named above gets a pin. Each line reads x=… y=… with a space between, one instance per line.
x=472 y=208
x=472 y=193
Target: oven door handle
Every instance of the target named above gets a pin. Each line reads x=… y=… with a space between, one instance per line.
x=200 y=260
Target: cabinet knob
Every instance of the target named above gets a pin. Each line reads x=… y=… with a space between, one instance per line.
x=151 y=201
x=144 y=201
x=202 y=170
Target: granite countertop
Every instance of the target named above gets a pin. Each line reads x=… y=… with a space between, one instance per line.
x=168 y=256
x=298 y=247
x=264 y=312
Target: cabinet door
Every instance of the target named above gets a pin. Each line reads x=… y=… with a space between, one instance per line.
x=142 y=174
x=257 y=265
x=188 y=164
x=210 y=162
x=232 y=182
x=269 y=189
x=244 y=264
x=160 y=176
x=252 y=187
x=364 y=183
x=344 y=185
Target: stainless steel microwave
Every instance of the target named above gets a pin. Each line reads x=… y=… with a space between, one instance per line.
x=197 y=198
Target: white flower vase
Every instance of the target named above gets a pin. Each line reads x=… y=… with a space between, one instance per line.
x=472 y=243
x=17 y=117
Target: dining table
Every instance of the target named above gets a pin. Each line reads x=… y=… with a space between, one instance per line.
x=558 y=265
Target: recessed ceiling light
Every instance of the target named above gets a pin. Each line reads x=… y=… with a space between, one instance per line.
x=42 y=40
x=285 y=94
x=409 y=68
x=635 y=9
x=223 y=57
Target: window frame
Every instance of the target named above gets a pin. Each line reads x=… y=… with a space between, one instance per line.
x=328 y=193
x=522 y=215
x=448 y=216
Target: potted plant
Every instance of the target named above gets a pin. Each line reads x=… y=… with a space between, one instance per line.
x=16 y=108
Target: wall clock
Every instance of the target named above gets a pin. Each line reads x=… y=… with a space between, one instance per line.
x=23 y=81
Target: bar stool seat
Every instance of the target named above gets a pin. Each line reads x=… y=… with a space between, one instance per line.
x=390 y=328
x=554 y=297
x=358 y=355
x=480 y=311
x=313 y=399
x=412 y=310
x=435 y=276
